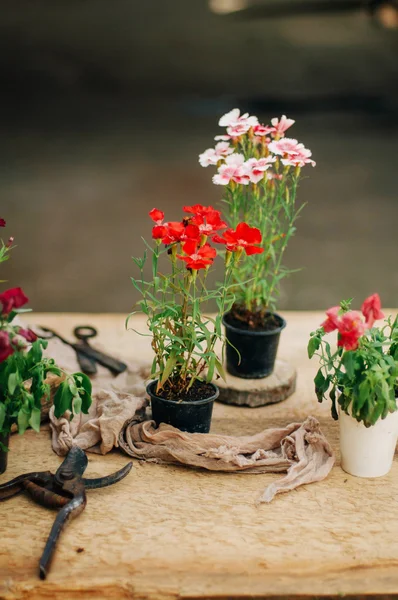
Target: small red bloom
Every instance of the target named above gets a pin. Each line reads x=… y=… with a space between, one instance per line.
x=198 y=209
x=371 y=309
x=191 y=232
x=174 y=232
x=159 y=232
x=332 y=321
x=5 y=346
x=244 y=237
x=197 y=258
x=210 y=223
x=351 y=328
x=12 y=298
x=2 y=223
x=157 y=215
x=28 y=334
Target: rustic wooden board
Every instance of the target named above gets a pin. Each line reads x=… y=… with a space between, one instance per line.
x=169 y=532
x=259 y=392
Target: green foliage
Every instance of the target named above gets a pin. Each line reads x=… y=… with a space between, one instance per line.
x=362 y=381
x=23 y=386
x=183 y=337
x=271 y=206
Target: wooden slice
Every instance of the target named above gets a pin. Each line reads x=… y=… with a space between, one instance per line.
x=258 y=392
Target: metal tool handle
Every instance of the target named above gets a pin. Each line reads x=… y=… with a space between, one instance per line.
x=85 y=332
x=114 y=365
x=87 y=365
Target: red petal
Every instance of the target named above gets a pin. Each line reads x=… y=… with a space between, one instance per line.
x=156 y=215
x=189 y=247
x=253 y=250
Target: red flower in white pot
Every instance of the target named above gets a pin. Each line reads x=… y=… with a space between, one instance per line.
x=360 y=378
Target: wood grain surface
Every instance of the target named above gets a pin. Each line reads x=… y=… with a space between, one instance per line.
x=169 y=532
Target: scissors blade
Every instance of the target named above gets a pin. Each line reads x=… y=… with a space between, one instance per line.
x=114 y=365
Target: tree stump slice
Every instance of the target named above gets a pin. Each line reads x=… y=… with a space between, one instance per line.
x=259 y=392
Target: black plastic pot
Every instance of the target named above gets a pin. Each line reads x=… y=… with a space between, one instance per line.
x=4 y=439
x=194 y=417
x=257 y=350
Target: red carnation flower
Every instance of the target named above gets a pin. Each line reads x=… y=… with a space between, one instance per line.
x=5 y=346
x=191 y=232
x=12 y=298
x=157 y=215
x=371 y=309
x=2 y=223
x=210 y=223
x=174 y=232
x=197 y=258
x=243 y=238
x=198 y=209
x=159 y=232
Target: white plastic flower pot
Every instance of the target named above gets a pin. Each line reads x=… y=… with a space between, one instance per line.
x=367 y=451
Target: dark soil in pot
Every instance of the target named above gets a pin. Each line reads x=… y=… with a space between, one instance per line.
x=256 y=339
x=4 y=439
x=192 y=412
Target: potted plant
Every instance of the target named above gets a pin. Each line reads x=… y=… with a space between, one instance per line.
x=360 y=377
x=23 y=372
x=173 y=300
x=259 y=169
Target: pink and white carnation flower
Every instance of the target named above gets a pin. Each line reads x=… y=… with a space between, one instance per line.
x=293 y=153
x=263 y=130
x=285 y=146
x=258 y=167
x=234 y=169
x=281 y=125
x=211 y=156
x=299 y=160
x=236 y=123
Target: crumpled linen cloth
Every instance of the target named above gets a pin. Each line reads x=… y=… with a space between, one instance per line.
x=299 y=449
x=118 y=418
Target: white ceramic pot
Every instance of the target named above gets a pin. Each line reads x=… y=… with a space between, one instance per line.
x=367 y=451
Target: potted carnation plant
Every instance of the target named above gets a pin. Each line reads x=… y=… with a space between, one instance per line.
x=173 y=300
x=259 y=169
x=23 y=372
x=361 y=380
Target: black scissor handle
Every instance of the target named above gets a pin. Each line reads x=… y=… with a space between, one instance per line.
x=85 y=332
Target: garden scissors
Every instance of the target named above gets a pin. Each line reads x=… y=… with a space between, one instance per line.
x=65 y=490
x=87 y=356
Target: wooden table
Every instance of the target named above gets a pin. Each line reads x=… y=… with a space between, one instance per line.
x=169 y=532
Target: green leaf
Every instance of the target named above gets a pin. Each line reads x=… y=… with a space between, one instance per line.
x=321 y=385
x=220 y=370
x=73 y=388
x=34 y=420
x=2 y=414
x=62 y=399
x=85 y=383
x=349 y=363
x=23 y=421
x=313 y=345
x=169 y=366
x=77 y=404
x=13 y=381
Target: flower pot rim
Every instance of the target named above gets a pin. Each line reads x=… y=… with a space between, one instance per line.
x=183 y=402
x=256 y=333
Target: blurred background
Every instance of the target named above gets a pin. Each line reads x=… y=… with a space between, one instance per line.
x=107 y=105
